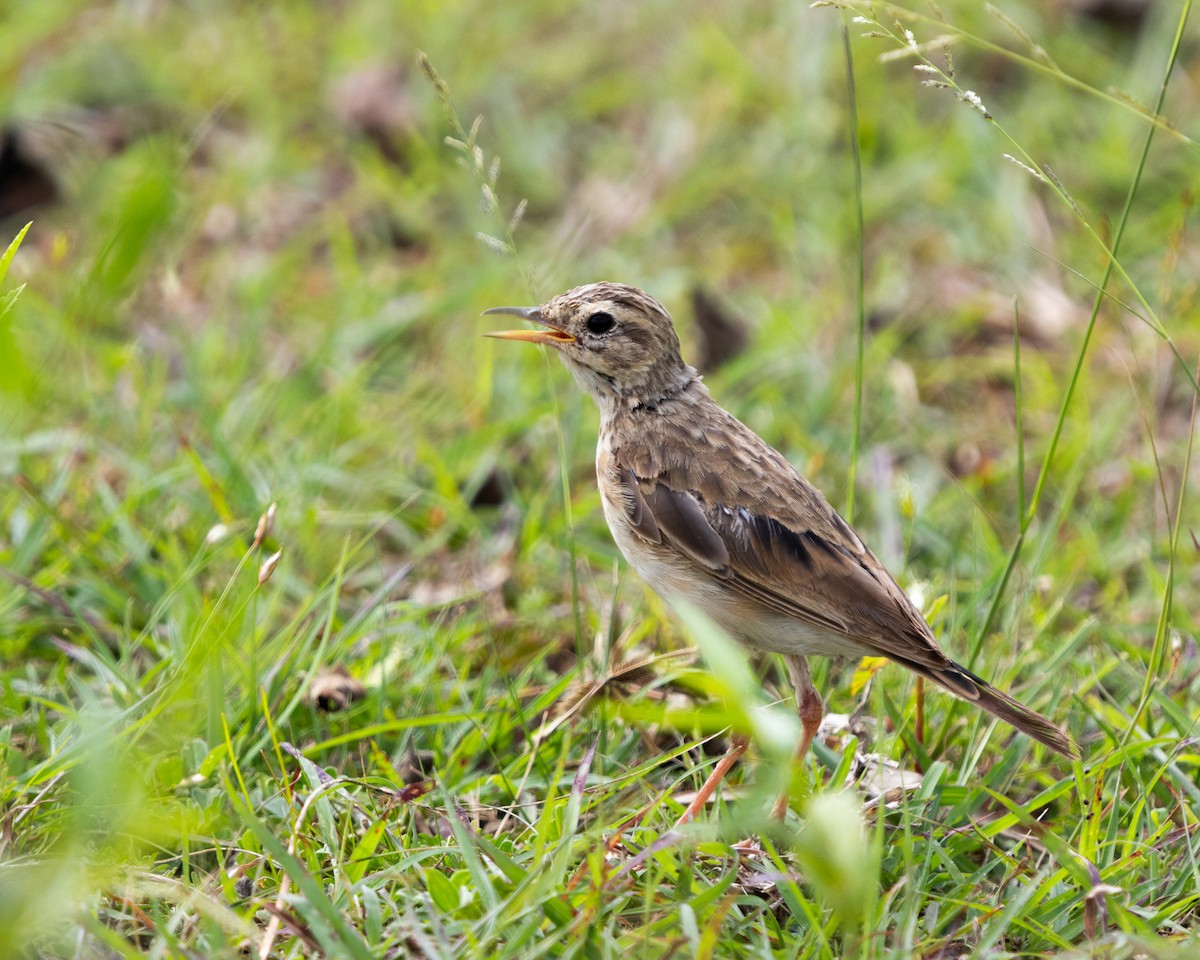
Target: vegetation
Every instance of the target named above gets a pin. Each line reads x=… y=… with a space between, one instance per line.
x=313 y=641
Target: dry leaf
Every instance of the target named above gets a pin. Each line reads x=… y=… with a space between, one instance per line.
x=635 y=672
x=334 y=689
x=866 y=669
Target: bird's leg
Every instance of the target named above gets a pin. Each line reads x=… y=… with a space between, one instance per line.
x=738 y=743
x=811 y=709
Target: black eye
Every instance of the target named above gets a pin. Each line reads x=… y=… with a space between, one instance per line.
x=600 y=322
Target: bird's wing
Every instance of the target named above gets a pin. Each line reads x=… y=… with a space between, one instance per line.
x=800 y=559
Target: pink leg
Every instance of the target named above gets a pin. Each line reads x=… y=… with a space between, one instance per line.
x=737 y=746
x=811 y=709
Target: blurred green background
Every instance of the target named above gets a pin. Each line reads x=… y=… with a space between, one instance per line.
x=254 y=276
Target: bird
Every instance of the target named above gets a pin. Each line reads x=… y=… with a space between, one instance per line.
x=709 y=514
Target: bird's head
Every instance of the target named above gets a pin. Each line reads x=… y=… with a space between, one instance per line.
x=617 y=341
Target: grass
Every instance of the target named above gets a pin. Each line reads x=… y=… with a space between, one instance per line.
x=260 y=286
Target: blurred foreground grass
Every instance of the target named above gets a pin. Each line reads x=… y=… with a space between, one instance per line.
x=259 y=284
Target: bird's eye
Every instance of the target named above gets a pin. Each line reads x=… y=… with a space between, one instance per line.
x=600 y=322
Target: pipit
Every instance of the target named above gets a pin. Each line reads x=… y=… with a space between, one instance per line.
x=708 y=513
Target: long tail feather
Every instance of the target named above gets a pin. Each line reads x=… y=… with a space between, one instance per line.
x=961 y=681
x=1026 y=720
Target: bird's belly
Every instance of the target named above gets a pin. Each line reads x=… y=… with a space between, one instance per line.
x=756 y=626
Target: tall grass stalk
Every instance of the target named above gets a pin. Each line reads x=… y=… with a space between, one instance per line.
x=860 y=310
x=474 y=159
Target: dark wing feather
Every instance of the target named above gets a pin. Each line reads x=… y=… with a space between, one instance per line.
x=680 y=515
x=637 y=510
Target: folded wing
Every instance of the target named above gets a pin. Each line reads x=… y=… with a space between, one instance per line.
x=796 y=572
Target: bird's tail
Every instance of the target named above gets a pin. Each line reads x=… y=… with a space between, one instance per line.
x=964 y=683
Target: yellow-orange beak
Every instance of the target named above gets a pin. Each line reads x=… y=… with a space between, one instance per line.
x=552 y=335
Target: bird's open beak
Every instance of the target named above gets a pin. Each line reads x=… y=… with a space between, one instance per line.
x=552 y=335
